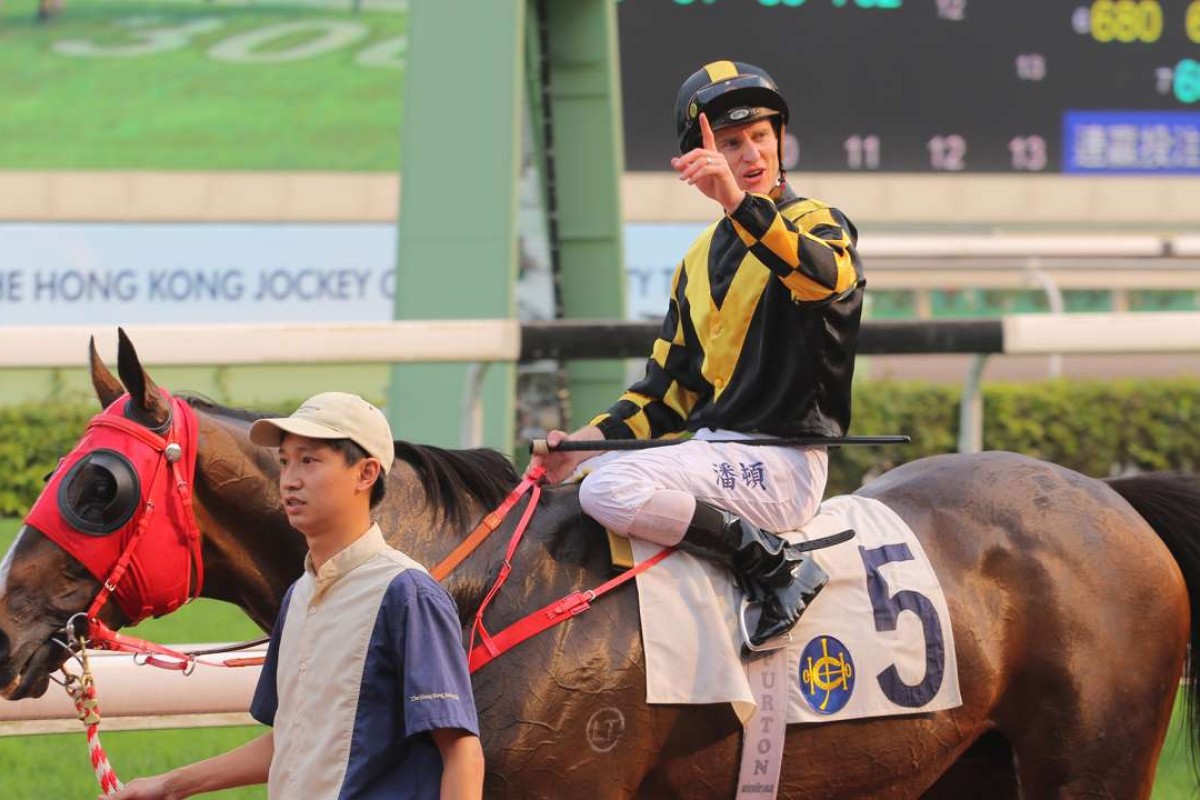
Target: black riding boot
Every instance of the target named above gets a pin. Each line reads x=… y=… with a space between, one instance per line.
x=782 y=579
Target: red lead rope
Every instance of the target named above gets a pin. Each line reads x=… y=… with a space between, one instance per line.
x=492 y=646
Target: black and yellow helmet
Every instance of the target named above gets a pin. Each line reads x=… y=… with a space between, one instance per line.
x=729 y=93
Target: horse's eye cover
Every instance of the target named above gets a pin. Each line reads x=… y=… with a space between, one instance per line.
x=100 y=493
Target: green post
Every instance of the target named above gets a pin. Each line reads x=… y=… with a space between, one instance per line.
x=585 y=103
x=461 y=146
x=457 y=258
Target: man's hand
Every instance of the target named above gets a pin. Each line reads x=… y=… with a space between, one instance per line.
x=559 y=466
x=242 y=766
x=707 y=170
x=154 y=788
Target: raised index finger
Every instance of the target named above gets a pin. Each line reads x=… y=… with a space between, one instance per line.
x=707 y=140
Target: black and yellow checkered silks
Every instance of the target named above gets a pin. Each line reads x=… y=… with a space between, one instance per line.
x=761 y=330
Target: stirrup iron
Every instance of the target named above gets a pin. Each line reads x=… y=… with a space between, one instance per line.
x=745 y=628
x=746 y=625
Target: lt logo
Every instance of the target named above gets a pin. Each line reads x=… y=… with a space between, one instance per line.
x=826 y=680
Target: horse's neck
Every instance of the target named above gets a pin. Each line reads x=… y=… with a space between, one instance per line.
x=560 y=552
x=417 y=525
x=251 y=554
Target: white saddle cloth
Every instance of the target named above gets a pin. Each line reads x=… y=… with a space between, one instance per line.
x=876 y=641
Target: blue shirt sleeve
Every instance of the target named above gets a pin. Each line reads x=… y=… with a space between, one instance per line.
x=266 y=694
x=426 y=640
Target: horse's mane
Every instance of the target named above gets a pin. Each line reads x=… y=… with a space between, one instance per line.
x=197 y=400
x=450 y=478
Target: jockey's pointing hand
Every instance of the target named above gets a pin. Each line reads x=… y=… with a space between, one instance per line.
x=708 y=170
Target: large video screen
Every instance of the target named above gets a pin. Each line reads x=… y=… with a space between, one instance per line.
x=1002 y=86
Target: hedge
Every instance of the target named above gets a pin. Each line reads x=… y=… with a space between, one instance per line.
x=34 y=437
x=1098 y=428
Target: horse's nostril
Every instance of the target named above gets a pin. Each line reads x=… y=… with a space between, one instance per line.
x=3 y=647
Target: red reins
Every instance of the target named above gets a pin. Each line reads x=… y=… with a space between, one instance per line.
x=491 y=646
x=488 y=525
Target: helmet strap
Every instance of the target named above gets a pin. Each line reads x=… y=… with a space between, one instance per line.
x=779 y=154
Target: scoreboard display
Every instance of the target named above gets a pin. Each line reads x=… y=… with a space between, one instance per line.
x=998 y=86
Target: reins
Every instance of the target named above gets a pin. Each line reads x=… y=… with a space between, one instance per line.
x=491 y=646
x=572 y=605
x=488 y=525
x=145 y=652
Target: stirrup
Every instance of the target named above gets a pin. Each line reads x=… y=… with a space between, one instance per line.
x=747 y=625
x=747 y=607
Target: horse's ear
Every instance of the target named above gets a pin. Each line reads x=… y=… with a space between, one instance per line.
x=148 y=403
x=107 y=387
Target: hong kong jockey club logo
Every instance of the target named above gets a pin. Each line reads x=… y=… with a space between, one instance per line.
x=826 y=675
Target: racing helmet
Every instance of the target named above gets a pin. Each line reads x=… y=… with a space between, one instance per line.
x=729 y=93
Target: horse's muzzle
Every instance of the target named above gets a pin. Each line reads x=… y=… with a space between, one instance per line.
x=33 y=677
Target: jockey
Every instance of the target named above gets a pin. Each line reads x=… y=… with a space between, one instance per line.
x=758 y=341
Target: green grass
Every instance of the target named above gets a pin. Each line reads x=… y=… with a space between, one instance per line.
x=181 y=109
x=1175 y=779
x=56 y=766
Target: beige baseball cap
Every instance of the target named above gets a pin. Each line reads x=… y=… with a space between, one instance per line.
x=333 y=415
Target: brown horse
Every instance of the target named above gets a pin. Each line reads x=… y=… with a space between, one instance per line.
x=1071 y=621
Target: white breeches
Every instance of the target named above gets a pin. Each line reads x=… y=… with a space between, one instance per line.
x=651 y=493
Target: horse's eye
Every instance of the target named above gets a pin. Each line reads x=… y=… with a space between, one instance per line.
x=74 y=570
x=100 y=493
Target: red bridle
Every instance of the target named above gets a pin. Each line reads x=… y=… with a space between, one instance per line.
x=151 y=564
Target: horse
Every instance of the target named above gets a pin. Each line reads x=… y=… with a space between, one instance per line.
x=1071 y=600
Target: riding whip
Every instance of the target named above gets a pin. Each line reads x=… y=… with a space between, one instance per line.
x=540 y=447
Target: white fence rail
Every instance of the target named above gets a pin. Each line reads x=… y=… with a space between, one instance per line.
x=134 y=697
x=1116 y=264
x=337 y=343
x=510 y=340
